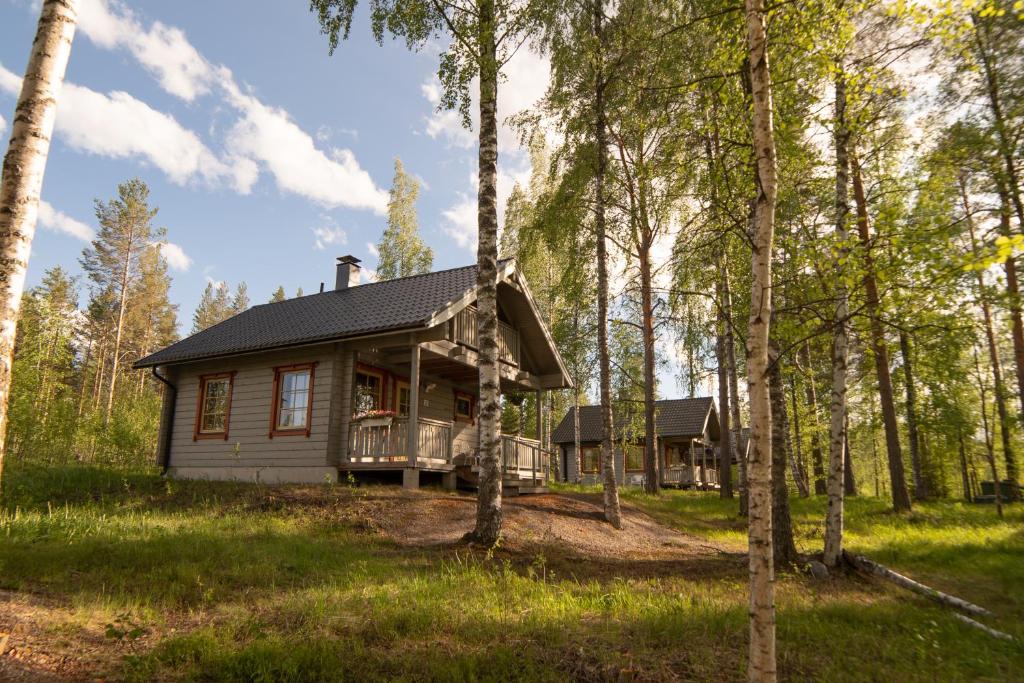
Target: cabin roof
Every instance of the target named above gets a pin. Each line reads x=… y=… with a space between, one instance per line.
x=673 y=417
x=391 y=305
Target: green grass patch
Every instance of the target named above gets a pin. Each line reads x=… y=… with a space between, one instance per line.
x=239 y=583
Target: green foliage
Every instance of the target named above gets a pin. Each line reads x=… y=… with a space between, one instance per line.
x=64 y=376
x=402 y=251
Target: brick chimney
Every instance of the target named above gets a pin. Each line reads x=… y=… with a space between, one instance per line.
x=348 y=273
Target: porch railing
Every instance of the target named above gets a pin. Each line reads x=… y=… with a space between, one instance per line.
x=389 y=442
x=463 y=330
x=690 y=475
x=523 y=455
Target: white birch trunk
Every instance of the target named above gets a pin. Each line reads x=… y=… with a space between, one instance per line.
x=23 y=168
x=489 y=514
x=612 y=508
x=840 y=341
x=761 y=664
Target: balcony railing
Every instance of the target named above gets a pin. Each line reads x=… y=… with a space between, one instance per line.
x=371 y=442
x=463 y=330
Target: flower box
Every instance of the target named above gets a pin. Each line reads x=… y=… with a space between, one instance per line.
x=375 y=418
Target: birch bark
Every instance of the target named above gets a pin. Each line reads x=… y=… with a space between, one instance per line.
x=612 y=510
x=761 y=664
x=489 y=514
x=840 y=342
x=23 y=168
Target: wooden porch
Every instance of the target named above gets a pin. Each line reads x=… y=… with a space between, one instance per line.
x=387 y=442
x=384 y=445
x=695 y=468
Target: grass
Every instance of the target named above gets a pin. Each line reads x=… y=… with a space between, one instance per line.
x=232 y=582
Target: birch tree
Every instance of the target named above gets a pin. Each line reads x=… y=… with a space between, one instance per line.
x=840 y=344
x=24 y=164
x=402 y=251
x=481 y=36
x=761 y=664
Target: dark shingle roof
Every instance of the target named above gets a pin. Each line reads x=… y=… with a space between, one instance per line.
x=674 y=417
x=375 y=307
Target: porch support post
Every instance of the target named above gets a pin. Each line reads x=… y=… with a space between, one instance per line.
x=704 y=465
x=413 y=440
x=540 y=415
x=540 y=431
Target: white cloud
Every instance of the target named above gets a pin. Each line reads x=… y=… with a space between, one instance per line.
x=526 y=77
x=52 y=219
x=448 y=125
x=367 y=275
x=3 y=125
x=432 y=91
x=9 y=82
x=262 y=136
x=328 y=234
x=460 y=222
x=372 y=248
x=175 y=256
x=163 y=50
x=119 y=126
x=460 y=219
x=216 y=284
x=268 y=135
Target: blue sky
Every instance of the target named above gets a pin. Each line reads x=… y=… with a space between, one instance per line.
x=266 y=157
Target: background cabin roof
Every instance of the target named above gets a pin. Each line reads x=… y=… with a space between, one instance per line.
x=673 y=417
x=398 y=304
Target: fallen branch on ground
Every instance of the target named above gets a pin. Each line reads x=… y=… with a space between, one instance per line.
x=865 y=565
x=977 y=624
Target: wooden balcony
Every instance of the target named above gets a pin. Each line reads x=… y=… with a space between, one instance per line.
x=463 y=330
x=373 y=443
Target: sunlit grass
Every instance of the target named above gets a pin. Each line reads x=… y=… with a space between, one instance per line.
x=236 y=585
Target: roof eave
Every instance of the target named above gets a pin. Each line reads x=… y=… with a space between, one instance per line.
x=144 y=362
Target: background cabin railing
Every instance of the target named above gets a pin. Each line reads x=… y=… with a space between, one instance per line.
x=463 y=330
x=690 y=475
x=389 y=442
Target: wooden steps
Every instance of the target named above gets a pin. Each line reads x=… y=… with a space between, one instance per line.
x=511 y=485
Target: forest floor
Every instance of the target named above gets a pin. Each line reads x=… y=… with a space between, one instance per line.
x=115 y=576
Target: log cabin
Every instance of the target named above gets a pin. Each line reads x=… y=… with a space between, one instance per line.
x=687 y=445
x=376 y=377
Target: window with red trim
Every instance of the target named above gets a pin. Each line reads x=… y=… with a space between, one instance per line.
x=213 y=406
x=293 y=400
x=633 y=454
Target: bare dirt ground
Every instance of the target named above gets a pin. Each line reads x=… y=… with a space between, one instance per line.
x=568 y=529
x=41 y=640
